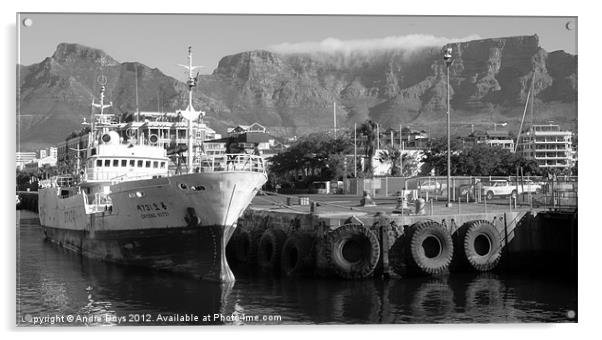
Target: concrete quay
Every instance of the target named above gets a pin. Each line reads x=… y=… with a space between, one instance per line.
x=334 y=236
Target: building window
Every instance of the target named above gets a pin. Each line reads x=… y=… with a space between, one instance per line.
x=115 y=162
x=132 y=163
x=98 y=162
x=139 y=164
x=155 y=164
x=107 y=162
x=162 y=165
x=124 y=162
x=148 y=164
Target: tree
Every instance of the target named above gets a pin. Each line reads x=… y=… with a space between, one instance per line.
x=318 y=157
x=393 y=155
x=478 y=160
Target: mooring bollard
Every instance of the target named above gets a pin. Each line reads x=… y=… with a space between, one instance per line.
x=367 y=201
x=420 y=205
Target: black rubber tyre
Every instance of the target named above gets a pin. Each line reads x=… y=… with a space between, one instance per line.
x=479 y=246
x=428 y=247
x=269 y=250
x=490 y=195
x=298 y=255
x=239 y=248
x=352 y=251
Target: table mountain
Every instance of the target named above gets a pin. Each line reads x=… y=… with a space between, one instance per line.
x=294 y=93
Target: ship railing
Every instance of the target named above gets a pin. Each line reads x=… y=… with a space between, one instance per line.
x=120 y=176
x=57 y=181
x=230 y=163
x=130 y=177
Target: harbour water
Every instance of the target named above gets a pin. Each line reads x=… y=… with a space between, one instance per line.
x=56 y=287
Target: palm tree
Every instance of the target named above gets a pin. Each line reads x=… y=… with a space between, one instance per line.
x=368 y=129
x=392 y=155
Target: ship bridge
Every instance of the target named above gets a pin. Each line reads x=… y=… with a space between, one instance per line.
x=122 y=162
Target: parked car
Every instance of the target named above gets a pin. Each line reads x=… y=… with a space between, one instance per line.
x=529 y=186
x=498 y=188
x=429 y=185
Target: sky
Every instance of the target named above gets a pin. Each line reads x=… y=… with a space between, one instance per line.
x=161 y=40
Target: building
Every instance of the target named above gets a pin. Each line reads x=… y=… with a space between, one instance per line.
x=52 y=151
x=24 y=158
x=240 y=129
x=412 y=139
x=500 y=138
x=548 y=145
x=493 y=138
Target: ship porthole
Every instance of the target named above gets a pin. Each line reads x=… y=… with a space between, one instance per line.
x=139 y=194
x=198 y=188
x=183 y=186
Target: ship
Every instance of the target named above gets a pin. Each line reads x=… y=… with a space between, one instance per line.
x=125 y=204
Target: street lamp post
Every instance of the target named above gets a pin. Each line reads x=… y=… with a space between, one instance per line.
x=447 y=57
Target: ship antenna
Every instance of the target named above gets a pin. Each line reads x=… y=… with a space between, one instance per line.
x=190 y=114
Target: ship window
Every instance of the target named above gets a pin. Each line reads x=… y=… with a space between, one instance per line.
x=107 y=162
x=124 y=162
x=115 y=162
x=98 y=162
x=148 y=164
x=155 y=164
x=139 y=164
x=162 y=165
x=132 y=163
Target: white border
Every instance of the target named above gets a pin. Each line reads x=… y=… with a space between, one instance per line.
x=589 y=126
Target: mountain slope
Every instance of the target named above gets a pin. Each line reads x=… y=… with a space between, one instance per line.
x=294 y=93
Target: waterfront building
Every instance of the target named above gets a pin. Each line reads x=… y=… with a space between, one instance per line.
x=23 y=158
x=548 y=145
x=500 y=138
x=493 y=138
x=244 y=129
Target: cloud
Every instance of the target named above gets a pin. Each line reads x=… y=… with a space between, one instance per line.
x=334 y=45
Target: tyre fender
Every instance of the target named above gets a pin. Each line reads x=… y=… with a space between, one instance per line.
x=352 y=251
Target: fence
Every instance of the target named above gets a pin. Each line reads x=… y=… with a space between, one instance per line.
x=532 y=190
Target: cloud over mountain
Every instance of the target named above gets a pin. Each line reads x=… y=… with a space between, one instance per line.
x=333 y=45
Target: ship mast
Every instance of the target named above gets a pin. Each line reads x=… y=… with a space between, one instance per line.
x=190 y=114
x=101 y=122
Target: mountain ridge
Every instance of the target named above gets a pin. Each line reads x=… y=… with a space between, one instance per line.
x=293 y=94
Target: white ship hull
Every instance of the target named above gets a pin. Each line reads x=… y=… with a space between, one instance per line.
x=181 y=223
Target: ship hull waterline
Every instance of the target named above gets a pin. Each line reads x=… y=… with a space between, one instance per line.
x=167 y=228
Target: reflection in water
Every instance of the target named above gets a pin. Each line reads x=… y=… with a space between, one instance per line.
x=53 y=281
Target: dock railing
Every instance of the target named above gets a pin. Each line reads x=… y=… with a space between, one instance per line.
x=533 y=191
